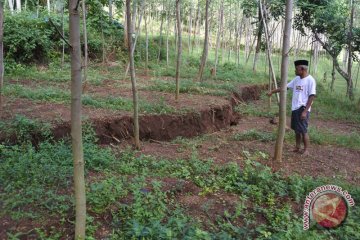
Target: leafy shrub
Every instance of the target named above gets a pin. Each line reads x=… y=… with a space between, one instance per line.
x=28 y=38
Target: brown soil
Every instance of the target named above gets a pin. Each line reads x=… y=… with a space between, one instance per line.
x=204 y=114
x=327 y=161
x=211 y=115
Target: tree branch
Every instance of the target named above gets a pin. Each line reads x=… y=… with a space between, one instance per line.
x=334 y=57
x=52 y=23
x=77 y=5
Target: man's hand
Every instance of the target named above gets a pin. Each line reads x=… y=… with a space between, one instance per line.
x=269 y=94
x=303 y=115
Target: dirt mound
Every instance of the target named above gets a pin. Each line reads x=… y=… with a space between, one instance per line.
x=112 y=127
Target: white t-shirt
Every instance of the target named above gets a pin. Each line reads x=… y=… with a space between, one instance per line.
x=302 y=88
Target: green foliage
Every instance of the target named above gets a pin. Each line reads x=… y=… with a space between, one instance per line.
x=141 y=208
x=254 y=134
x=105 y=192
x=28 y=38
x=37 y=180
x=189 y=86
x=24 y=129
x=325 y=17
x=56 y=95
x=334 y=106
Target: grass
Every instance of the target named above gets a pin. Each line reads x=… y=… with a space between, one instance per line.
x=127 y=187
x=36 y=183
x=188 y=86
x=323 y=137
x=253 y=134
x=56 y=95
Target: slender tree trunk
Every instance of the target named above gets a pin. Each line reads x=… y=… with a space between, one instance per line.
x=230 y=31
x=175 y=36
x=357 y=75
x=206 y=42
x=349 y=91
x=251 y=49
x=220 y=29
x=167 y=35
x=178 y=61
x=11 y=6
x=1 y=56
x=86 y=58
x=126 y=44
x=110 y=11
x=146 y=46
x=18 y=5
x=47 y=5
x=132 y=75
x=334 y=57
x=345 y=58
x=197 y=17
x=76 y=130
x=268 y=47
x=103 y=42
x=332 y=77
x=63 y=42
x=238 y=50
x=247 y=39
x=258 y=44
x=284 y=75
x=190 y=27
x=161 y=30
x=136 y=35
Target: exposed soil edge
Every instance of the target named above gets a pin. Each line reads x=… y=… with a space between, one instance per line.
x=164 y=127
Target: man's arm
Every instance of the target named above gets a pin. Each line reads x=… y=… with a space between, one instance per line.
x=273 y=91
x=308 y=105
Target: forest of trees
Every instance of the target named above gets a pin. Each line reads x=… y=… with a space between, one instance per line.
x=213 y=32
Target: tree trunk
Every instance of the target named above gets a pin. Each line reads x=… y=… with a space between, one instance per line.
x=230 y=31
x=190 y=28
x=251 y=49
x=258 y=44
x=220 y=29
x=345 y=58
x=196 y=23
x=349 y=91
x=335 y=61
x=110 y=11
x=247 y=38
x=206 y=42
x=11 y=6
x=161 y=29
x=332 y=77
x=63 y=42
x=175 y=36
x=1 y=56
x=103 y=41
x=357 y=75
x=126 y=44
x=167 y=34
x=238 y=50
x=268 y=48
x=178 y=61
x=132 y=75
x=136 y=34
x=284 y=76
x=85 y=45
x=76 y=130
x=146 y=47
x=18 y=5
x=47 y=4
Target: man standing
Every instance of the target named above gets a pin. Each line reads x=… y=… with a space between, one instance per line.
x=304 y=92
